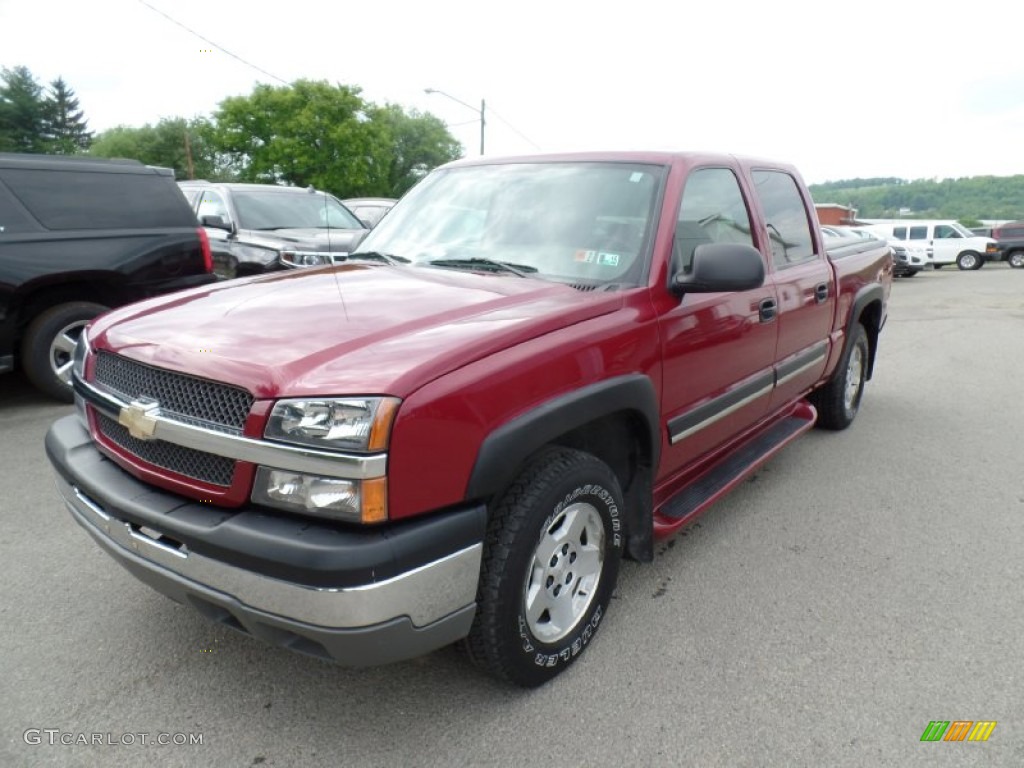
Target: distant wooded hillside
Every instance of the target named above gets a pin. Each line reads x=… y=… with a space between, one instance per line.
x=976 y=197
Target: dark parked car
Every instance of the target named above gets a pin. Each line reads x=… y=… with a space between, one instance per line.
x=1008 y=245
x=370 y=210
x=256 y=228
x=78 y=236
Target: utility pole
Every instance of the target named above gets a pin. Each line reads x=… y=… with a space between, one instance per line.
x=188 y=155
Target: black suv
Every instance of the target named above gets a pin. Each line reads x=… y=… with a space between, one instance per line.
x=80 y=235
x=256 y=228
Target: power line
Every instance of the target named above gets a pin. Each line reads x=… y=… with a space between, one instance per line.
x=515 y=130
x=220 y=48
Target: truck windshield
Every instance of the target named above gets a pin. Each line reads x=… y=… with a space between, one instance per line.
x=586 y=223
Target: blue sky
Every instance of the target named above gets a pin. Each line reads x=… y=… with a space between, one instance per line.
x=876 y=89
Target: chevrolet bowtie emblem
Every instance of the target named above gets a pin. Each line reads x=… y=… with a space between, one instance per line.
x=140 y=418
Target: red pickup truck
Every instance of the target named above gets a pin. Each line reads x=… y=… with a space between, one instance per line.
x=532 y=368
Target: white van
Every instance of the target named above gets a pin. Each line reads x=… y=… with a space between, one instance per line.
x=949 y=241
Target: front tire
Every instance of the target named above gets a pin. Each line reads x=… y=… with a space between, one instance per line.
x=969 y=260
x=838 y=400
x=550 y=564
x=49 y=343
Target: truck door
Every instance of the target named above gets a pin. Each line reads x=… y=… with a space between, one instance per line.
x=718 y=347
x=804 y=283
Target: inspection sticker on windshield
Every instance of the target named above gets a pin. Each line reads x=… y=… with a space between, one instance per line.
x=597 y=257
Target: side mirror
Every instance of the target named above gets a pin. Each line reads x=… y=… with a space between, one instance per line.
x=215 y=222
x=721 y=267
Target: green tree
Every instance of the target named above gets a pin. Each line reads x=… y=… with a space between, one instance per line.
x=21 y=112
x=976 y=197
x=328 y=136
x=169 y=143
x=415 y=143
x=65 y=129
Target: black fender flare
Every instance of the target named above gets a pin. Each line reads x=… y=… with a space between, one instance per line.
x=506 y=449
x=863 y=297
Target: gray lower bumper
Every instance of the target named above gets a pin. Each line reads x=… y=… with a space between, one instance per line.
x=399 y=618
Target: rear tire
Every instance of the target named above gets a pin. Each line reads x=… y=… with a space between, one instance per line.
x=838 y=400
x=1016 y=259
x=939 y=266
x=48 y=345
x=551 y=560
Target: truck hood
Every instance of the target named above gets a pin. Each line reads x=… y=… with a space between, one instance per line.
x=350 y=329
x=344 y=240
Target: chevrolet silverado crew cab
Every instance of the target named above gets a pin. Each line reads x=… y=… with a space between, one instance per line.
x=79 y=235
x=529 y=369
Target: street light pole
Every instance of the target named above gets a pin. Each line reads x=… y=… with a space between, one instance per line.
x=482 y=111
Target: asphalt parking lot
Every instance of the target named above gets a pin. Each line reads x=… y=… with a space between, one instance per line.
x=861 y=585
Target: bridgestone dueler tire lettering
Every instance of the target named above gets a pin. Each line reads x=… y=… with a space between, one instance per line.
x=501 y=640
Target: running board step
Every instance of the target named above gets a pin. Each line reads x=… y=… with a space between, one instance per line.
x=713 y=483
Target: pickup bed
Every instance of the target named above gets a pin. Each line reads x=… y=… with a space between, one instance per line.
x=531 y=368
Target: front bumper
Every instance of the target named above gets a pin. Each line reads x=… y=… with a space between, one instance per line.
x=360 y=597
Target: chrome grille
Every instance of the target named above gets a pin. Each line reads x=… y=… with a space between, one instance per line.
x=199 y=465
x=183 y=397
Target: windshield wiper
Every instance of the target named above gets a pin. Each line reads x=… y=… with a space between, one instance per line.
x=520 y=270
x=387 y=258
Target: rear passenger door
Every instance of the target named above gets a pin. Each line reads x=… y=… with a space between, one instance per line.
x=718 y=347
x=803 y=281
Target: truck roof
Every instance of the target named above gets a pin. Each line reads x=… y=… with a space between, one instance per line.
x=625 y=156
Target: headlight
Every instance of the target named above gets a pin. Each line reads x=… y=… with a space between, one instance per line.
x=310 y=258
x=358 y=501
x=352 y=424
x=253 y=254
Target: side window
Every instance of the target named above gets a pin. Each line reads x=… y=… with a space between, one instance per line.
x=900 y=233
x=789 y=229
x=212 y=204
x=945 y=231
x=919 y=233
x=712 y=211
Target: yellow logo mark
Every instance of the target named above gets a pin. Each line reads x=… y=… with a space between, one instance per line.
x=982 y=730
x=140 y=418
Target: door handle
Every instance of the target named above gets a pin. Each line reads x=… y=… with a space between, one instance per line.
x=821 y=292
x=766 y=310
